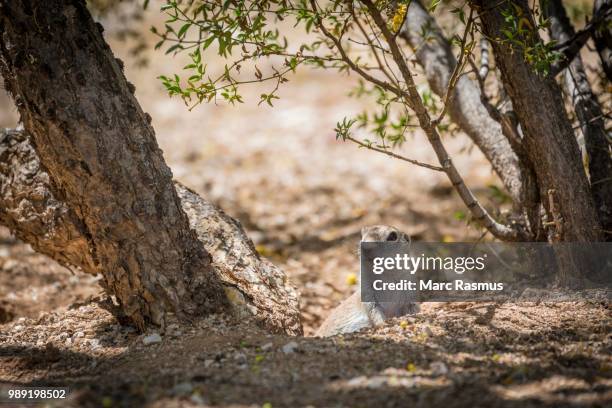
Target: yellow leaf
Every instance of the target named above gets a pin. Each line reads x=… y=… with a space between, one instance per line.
x=398 y=18
x=351 y=279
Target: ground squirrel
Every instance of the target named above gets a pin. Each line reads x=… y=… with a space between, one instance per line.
x=352 y=314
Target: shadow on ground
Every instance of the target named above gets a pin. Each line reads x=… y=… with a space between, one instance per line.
x=450 y=355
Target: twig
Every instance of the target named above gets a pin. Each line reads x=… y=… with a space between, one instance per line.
x=452 y=82
x=396 y=156
x=377 y=38
x=347 y=60
x=572 y=46
x=373 y=47
x=508 y=126
x=557 y=219
x=603 y=180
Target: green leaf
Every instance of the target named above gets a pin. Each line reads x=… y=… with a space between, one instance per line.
x=174 y=48
x=183 y=30
x=459 y=215
x=433 y=5
x=207 y=43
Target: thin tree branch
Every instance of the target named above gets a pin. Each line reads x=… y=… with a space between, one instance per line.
x=506 y=121
x=394 y=155
x=457 y=71
x=572 y=46
x=484 y=59
x=479 y=213
x=373 y=47
x=603 y=39
x=383 y=84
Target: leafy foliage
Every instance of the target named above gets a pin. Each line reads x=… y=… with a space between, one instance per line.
x=521 y=33
x=350 y=37
x=251 y=37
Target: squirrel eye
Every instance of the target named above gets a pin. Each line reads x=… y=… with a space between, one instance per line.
x=392 y=236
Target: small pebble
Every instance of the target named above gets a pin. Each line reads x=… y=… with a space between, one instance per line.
x=152 y=339
x=240 y=358
x=290 y=347
x=438 y=368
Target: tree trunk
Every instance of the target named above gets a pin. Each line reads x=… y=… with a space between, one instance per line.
x=548 y=140
x=28 y=207
x=589 y=115
x=108 y=185
x=434 y=54
x=603 y=39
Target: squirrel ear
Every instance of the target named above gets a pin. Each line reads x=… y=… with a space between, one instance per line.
x=405 y=237
x=364 y=231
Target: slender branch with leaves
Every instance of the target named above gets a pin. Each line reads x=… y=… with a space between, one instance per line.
x=361 y=38
x=248 y=34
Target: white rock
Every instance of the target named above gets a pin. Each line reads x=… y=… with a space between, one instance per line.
x=438 y=368
x=267 y=346
x=290 y=347
x=208 y=363
x=152 y=339
x=241 y=358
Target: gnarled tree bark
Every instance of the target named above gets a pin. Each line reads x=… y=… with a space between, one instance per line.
x=104 y=166
x=548 y=136
x=589 y=115
x=28 y=207
x=434 y=53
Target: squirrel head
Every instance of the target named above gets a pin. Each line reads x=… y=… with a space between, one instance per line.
x=381 y=233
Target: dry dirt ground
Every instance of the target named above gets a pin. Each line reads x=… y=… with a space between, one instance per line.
x=303 y=198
